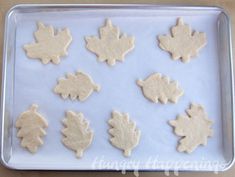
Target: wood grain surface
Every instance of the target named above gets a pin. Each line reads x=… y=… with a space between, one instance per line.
x=5 y=5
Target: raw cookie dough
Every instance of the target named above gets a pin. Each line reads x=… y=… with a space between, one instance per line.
x=49 y=46
x=31 y=127
x=111 y=46
x=124 y=133
x=183 y=43
x=193 y=127
x=159 y=88
x=79 y=85
x=78 y=135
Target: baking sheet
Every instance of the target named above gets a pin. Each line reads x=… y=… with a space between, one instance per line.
x=200 y=80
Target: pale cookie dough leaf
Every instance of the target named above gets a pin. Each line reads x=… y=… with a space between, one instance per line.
x=77 y=134
x=124 y=133
x=49 y=46
x=77 y=86
x=111 y=45
x=31 y=127
x=183 y=43
x=194 y=128
x=159 y=88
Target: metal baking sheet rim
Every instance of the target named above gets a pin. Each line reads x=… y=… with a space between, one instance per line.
x=4 y=63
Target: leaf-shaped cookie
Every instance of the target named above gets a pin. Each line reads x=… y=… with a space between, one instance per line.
x=111 y=46
x=49 y=46
x=125 y=134
x=183 y=43
x=78 y=135
x=159 y=88
x=193 y=127
x=79 y=85
x=31 y=128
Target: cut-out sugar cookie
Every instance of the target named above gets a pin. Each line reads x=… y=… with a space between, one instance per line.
x=78 y=135
x=111 y=46
x=183 y=43
x=79 y=85
x=124 y=133
x=193 y=127
x=159 y=88
x=49 y=46
x=31 y=127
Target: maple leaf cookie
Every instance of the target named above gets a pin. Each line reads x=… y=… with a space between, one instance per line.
x=182 y=43
x=49 y=46
x=110 y=46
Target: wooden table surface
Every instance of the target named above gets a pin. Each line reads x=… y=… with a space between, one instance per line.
x=5 y=5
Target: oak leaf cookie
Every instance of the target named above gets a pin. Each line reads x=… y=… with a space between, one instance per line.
x=111 y=46
x=79 y=85
x=77 y=134
x=124 y=133
x=49 y=46
x=183 y=43
x=31 y=127
x=159 y=88
x=193 y=127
